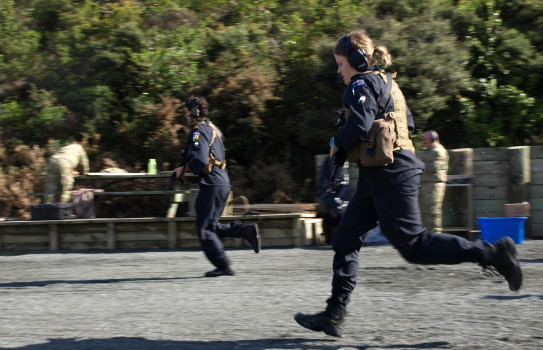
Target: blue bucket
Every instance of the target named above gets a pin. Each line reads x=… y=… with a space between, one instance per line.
x=492 y=229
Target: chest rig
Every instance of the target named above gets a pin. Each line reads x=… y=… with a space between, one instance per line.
x=212 y=161
x=388 y=134
x=398 y=116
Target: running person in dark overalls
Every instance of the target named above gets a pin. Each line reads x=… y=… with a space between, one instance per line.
x=387 y=195
x=204 y=156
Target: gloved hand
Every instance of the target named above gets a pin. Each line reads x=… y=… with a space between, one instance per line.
x=339 y=158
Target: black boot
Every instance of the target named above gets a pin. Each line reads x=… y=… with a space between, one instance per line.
x=251 y=234
x=501 y=257
x=328 y=321
x=221 y=261
x=224 y=271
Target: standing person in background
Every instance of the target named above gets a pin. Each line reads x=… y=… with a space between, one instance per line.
x=433 y=181
x=59 y=181
x=204 y=155
x=387 y=193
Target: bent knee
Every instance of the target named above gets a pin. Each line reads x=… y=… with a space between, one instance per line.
x=410 y=251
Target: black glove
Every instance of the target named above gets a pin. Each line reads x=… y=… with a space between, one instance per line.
x=339 y=158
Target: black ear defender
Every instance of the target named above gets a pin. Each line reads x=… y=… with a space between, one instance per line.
x=356 y=56
x=194 y=108
x=433 y=135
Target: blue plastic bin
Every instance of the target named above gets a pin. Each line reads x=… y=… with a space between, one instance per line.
x=492 y=229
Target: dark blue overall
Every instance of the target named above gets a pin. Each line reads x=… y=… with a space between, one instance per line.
x=213 y=194
x=387 y=196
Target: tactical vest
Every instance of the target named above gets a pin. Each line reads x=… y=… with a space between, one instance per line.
x=401 y=136
x=212 y=161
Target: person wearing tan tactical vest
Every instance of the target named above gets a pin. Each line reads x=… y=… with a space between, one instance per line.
x=204 y=155
x=59 y=181
x=387 y=188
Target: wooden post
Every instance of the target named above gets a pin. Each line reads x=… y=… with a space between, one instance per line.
x=297 y=231
x=461 y=161
x=319 y=161
x=458 y=201
x=111 y=236
x=53 y=237
x=172 y=235
x=518 y=174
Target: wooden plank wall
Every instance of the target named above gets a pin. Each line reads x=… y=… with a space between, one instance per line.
x=535 y=193
x=489 y=181
x=277 y=230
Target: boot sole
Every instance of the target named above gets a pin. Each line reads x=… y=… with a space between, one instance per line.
x=327 y=329
x=510 y=248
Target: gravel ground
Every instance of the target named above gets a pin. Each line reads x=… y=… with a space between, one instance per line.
x=159 y=300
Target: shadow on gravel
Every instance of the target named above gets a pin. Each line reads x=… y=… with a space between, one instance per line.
x=130 y=343
x=430 y=345
x=112 y=280
x=260 y=344
x=512 y=297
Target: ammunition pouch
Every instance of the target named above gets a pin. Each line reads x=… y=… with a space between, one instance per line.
x=378 y=148
x=212 y=161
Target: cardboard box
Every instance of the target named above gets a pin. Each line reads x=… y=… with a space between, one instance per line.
x=517 y=209
x=54 y=211
x=493 y=229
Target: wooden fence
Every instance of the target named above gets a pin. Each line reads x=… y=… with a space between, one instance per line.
x=277 y=230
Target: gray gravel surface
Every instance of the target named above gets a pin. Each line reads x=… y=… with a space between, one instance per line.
x=159 y=300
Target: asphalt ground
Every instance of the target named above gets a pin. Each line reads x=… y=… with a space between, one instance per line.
x=159 y=300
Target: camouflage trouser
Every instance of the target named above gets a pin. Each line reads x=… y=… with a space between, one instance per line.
x=431 y=196
x=59 y=181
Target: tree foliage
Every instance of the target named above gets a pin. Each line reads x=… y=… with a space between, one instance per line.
x=118 y=71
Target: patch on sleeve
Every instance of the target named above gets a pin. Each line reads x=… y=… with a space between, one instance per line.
x=363 y=99
x=358 y=83
x=195 y=136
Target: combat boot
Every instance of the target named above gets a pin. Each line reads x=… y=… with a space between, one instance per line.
x=220 y=271
x=251 y=234
x=501 y=258
x=328 y=321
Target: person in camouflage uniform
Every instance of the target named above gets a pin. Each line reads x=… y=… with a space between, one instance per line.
x=59 y=180
x=433 y=181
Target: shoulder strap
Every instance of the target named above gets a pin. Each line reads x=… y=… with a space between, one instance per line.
x=386 y=96
x=216 y=133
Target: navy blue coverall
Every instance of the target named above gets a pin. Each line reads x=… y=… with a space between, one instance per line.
x=386 y=195
x=213 y=194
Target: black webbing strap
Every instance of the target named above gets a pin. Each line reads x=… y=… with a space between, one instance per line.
x=386 y=96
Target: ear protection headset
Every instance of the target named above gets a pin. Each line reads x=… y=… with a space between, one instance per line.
x=355 y=56
x=194 y=108
x=433 y=135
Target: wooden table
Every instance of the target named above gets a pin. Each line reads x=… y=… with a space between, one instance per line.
x=178 y=192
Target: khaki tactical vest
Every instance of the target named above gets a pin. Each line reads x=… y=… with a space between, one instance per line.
x=401 y=136
x=212 y=161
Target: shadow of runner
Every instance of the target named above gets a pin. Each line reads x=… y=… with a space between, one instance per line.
x=430 y=345
x=132 y=343
x=94 y=281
